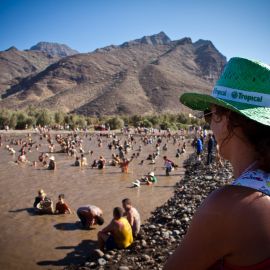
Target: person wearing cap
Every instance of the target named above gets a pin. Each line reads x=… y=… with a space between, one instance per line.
x=151 y=178
x=231 y=228
x=52 y=163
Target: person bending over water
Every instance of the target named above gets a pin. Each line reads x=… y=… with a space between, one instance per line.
x=90 y=215
x=231 y=229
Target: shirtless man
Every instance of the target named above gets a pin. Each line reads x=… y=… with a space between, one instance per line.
x=90 y=215
x=124 y=165
x=132 y=216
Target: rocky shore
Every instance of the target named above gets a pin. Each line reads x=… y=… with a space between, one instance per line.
x=162 y=232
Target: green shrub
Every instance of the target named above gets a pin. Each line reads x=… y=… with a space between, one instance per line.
x=4 y=118
x=135 y=120
x=59 y=118
x=21 y=120
x=115 y=123
x=44 y=118
x=146 y=123
x=13 y=121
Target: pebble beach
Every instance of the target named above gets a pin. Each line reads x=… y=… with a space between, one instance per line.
x=162 y=232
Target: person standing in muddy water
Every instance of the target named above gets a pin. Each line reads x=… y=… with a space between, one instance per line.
x=168 y=164
x=231 y=228
x=124 y=165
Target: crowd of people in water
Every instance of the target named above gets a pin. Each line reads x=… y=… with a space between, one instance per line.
x=231 y=228
x=125 y=224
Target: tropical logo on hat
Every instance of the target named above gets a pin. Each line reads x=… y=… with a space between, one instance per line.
x=241 y=96
x=234 y=94
x=219 y=92
x=246 y=97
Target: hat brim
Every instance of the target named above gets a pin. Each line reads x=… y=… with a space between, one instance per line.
x=202 y=102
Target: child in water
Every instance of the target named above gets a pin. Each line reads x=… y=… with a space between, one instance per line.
x=61 y=207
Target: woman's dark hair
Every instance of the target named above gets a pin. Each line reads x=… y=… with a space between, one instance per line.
x=257 y=134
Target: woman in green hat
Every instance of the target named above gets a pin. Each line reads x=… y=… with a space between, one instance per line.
x=231 y=229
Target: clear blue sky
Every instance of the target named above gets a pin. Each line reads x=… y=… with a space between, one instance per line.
x=236 y=27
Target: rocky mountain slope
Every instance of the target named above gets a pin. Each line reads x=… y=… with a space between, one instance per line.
x=54 y=49
x=15 y=65
x=142 y=76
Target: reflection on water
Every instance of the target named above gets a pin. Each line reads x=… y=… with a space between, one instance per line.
x=28 y=241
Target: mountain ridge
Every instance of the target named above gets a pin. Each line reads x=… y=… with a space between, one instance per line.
x=53 y=49
x=141 y=76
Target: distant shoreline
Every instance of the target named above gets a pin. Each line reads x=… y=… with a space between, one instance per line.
x=25 y=131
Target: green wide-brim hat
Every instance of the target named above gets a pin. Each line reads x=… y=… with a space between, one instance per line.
x=243 y=87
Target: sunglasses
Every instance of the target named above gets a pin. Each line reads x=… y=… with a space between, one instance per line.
x=207 y=114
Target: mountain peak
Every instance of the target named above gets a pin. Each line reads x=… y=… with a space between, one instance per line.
x=12 y=48
x=54 y=49
x=157 y=39
x=203 y=42
x=183 y=41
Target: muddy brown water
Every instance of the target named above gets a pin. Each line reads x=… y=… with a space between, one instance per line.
x=29 y=241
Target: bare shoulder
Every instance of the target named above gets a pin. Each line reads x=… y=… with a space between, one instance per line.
x=239 y=194
x=234 y=201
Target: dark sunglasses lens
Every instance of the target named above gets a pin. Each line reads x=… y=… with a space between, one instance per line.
x=207 y=116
